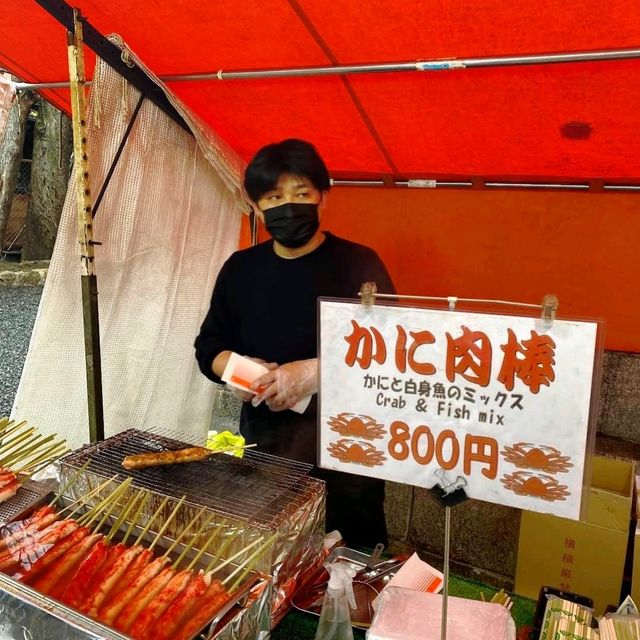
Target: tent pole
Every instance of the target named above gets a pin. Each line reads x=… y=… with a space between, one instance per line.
x=419 y=65
x=85 y=232
x=388 y=67
x=112 y=55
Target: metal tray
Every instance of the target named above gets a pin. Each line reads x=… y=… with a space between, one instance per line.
x=367 y=584
x=26 y=613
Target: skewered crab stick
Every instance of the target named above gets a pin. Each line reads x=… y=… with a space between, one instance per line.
x=75 y=590
x=54 y=580
x=178 y=612
x=123 y=557
x=9 y=489
x=119 y=559
x=183 y=607
x=140 y=574
x=135 y=607
x=53 y=554
x=31 y=549
x=143 y=626
x=13 y=532
x=202 y=611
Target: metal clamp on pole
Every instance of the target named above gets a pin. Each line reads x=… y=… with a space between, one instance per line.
x=550 y=305
x=449 y=493
x=367 y=293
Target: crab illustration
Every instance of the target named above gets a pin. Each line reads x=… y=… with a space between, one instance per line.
x=538 y=457
x=358 y=426
x=525 y=483
x=358 y=453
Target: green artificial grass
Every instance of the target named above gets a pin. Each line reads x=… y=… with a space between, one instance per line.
x=302 y=626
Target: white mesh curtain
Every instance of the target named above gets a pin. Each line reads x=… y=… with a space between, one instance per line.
x=167 y=223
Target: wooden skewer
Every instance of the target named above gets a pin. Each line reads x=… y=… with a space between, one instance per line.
x=200 y=553
x=11 y=443
x=233 y=557
x=123 y=514
x=202 y=527
x=167 y=522
x=136 y=515
x=248 y=564
x=105 y=515
x=11 y=427
x=107 y=504
x=80 y=502
x=146 y=528
x=186 y=530
x=44 y=464
x=55 y=450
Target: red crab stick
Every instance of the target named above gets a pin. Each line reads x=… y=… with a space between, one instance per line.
x=176 y=614
x=121 y=603
x=110 y=558
x=7 y=477
x=142 y=628
x=203 y=610
x=131 y=612
x=50 y=557
x=107 y=580
x=30 y=549
x=76 y=589
x=116 y=600
x=14 y=532
x=9 y=489
x=58 y=574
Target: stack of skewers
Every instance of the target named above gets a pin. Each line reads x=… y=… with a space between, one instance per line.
x=144 y=595
x=23 y=452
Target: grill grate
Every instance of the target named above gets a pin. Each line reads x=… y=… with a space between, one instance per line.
x=30 y=494
x=259 y=489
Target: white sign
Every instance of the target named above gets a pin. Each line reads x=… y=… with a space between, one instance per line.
x=499 y=401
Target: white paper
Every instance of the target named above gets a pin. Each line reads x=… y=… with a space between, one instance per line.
x=241 y=372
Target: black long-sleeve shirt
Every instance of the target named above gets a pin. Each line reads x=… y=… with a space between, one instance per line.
x=265 y=306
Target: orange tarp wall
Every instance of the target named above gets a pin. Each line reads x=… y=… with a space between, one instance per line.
x=514 y=246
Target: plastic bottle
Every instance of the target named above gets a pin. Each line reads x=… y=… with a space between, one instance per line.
x=335 y=617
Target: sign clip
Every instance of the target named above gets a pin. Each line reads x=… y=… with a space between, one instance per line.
x=449 y=492
x=368 y=292
x=550 y=305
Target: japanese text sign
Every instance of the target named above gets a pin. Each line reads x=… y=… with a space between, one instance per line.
x=500 y=401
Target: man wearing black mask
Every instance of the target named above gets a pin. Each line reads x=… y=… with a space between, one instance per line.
x=264 y=307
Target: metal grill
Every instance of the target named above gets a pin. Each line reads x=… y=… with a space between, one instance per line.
x=259 y=489
x=29 y=494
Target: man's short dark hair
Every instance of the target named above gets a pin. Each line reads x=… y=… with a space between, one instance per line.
x=293 y=156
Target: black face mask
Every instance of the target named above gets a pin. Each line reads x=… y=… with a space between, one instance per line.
x=292 y=224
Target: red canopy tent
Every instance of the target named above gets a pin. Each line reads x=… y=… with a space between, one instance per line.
x=545 y=123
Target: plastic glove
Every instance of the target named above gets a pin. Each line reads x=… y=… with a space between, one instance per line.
x=284 y=386
x=245 y=396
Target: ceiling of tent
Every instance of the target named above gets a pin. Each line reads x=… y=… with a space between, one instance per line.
x=562 y=121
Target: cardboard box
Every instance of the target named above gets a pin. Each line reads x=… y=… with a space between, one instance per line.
x=635 y=575
x=585 y=557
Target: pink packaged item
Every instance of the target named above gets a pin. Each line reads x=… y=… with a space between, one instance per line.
x=404 y=614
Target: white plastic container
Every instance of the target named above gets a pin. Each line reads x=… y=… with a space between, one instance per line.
x=403 y=614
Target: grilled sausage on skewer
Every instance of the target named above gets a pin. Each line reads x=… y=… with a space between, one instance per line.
x=159 y=458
